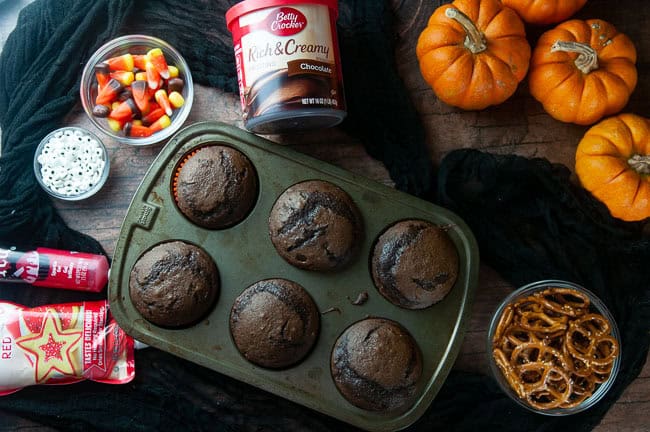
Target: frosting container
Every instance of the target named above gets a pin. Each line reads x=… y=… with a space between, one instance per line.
x=288 y=64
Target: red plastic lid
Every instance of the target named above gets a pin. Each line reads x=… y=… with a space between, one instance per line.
x=247 y=6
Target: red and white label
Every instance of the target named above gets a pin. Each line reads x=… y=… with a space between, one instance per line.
x=94 y=351
x=62 y=344
x=275 y=38
x=286 y=21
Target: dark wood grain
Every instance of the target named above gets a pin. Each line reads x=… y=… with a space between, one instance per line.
x=518 y=126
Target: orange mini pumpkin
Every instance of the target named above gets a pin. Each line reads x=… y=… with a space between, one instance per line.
x=542 y=12
x=582 y=71
x=613 y=163
x=473 y=53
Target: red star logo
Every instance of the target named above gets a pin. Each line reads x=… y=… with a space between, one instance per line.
x=53 y=349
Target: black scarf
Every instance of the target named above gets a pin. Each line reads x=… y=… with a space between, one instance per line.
x=523 y=212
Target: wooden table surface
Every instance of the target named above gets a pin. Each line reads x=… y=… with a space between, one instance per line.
x=518 y=126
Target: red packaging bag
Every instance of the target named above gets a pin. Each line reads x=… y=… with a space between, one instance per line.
x=62 y=344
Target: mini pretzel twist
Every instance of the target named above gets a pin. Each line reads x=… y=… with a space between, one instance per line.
x=552 y=350
x=540 y=322
x=546 y=385
x=564 y=301
x=504 y=322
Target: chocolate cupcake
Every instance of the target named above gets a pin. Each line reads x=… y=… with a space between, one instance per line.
x=376 y=365
x=315 y=225
x=414 y=264
x=174 y=284
x=274 y=323
x=215 y=186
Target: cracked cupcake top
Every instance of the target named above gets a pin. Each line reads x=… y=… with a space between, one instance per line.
x=315 y=225
x=215 y=187
x=174 y=284
x=274 y=323
x=414 y=264
x=376 y=365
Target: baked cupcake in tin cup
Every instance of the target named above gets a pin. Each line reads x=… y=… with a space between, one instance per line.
x=414 y=264
x=315 y=225
x=215 y=186
x=174 y=284
x=376 y=365
x=274 y=323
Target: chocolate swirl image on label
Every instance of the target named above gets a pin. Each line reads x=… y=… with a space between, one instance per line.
x=376 y=365
x=279 y=90
x=274 y=323
x=315 y=225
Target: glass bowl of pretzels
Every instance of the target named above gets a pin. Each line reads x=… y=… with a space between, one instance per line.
x=554 y=348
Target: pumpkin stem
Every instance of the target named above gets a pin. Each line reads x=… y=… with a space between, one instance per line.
x=640 y=164
x=475 y=40
x=587 y=59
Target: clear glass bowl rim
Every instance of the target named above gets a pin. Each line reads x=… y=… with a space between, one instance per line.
x=595 y=303
x=90 y=192
x=116 y=44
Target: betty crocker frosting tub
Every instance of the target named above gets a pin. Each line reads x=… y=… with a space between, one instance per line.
x=288 y=64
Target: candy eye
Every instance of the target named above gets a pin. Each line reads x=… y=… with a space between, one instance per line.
x=71 y=162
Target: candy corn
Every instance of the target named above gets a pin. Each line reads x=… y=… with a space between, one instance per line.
x=136 y=130
x=160 y=124
x=176 y=99
x=125 y=94
x=121 y=63
x=153 y=76
x=163 y=101
x=109 y=92
x=153 y=115
x=175 y=85
x=115 y=125
x=138 y=93
x=125 y=111
x=102 y=74
x=101 y=111
x=124 y=77
x=139 y=61
x=157 y=59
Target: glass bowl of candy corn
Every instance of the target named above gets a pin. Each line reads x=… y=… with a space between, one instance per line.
x=137 y=89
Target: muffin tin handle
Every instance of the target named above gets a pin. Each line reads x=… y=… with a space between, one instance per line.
x=147 y=215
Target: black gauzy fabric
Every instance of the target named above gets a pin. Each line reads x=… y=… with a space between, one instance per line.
x=533 y=223
x=39 y=76
x=40 y=70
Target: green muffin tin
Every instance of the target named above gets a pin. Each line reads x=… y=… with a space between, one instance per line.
x=244 y=255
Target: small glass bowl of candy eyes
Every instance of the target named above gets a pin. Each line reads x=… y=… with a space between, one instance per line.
x=71 y=164
x=554 y=348
x=137 y=89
